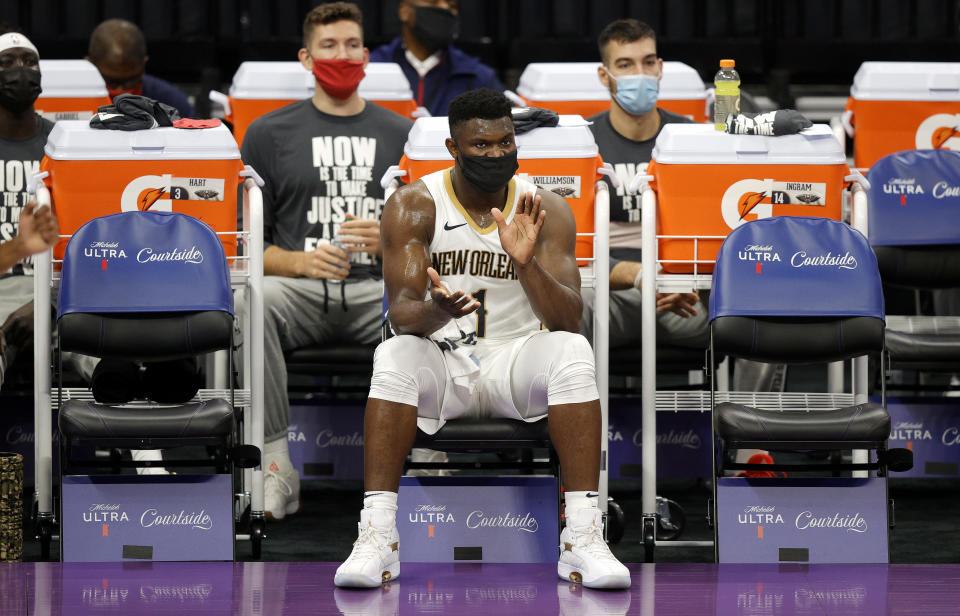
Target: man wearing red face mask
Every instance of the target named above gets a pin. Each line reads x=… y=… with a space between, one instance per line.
x=322 y=159
x=119 y=51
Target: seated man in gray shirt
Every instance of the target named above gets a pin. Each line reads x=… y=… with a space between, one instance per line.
x=626 y=135
x=321 y=160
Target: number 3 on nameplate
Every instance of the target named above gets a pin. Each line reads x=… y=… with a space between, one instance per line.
x=481 y=297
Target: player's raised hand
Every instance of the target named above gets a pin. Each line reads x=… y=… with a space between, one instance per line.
x=519 y=237
x=456 y=304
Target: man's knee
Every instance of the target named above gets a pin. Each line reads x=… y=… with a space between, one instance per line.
x=572 y=377
x=399 y=367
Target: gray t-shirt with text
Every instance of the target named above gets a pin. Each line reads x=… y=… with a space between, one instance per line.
x=19 y=159
x=318 y=167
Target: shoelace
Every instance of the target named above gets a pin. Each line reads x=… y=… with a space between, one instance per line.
x=271 y=477
x=370 y=542
x=590 y=539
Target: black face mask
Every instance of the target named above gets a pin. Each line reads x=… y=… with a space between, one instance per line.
x=435 y=27
x=19 y=87
x=489 y=173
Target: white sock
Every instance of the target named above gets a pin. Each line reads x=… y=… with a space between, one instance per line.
x=276 y=455
x=379 y=509
x=380 y=499
x=575 y=501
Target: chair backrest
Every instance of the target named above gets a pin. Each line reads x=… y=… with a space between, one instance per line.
x=914 y=218
x=145 y=285
x=796 y=289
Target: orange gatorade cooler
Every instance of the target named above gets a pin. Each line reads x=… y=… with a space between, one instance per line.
x=709 y=182
x=575 y=88
x=99 y=172
x=563 y=159
x=260 y=87
x=71 y=90
x=896 y=106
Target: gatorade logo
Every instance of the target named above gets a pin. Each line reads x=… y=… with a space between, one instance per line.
x=940 y=131
x=747 y=200
x=156 y=193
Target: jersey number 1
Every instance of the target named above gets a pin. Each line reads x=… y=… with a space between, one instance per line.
x=481 y=297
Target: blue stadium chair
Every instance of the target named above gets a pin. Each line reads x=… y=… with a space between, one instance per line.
x=913 y=224
x=148 y=286
x=817 y=298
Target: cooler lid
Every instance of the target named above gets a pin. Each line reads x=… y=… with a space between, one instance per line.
x=75 y=140
x=702 y=144
x=907 y=81
x=70 y=79
x=383 y=81
x=578 y=81
x=570 y=139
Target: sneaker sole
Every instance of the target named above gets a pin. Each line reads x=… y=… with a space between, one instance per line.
x=389 y=574
x=570 y=573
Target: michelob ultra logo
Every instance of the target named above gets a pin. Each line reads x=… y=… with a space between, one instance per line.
x=156 y=193
x=941 y=131
x=751 y=199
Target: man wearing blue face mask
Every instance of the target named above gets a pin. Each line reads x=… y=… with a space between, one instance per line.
x=626 y=134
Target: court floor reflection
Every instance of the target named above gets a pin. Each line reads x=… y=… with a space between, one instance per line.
x=253 y=589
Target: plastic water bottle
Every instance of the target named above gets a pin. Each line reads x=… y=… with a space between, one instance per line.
x=727 y=99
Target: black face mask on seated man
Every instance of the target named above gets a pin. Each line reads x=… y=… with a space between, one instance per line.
x=489 y=173
x=435 y=27
x=19 y=88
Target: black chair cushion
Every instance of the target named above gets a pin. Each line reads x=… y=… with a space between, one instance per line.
x=146 y=336
x=863 y=422
x=90 y=421
x=923 y=267
x=331 y=359
x=797 y=340
x=927 y=340
x=497 y=432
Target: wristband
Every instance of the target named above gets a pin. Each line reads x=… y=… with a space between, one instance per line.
x=636 y=281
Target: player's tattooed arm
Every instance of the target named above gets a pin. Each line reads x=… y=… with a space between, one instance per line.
x=541 y=239
x=419 y=303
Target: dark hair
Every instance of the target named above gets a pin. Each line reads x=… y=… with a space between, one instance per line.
x=117 y=36
x=623 y=31
x=328 y=14
x=483 y=103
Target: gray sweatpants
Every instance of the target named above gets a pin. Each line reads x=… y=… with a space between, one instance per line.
x=301 y=312
x=693 y=332
x=15 y=291
x=625 y=321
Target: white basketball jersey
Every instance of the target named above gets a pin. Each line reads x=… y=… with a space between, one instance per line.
x=470 y=259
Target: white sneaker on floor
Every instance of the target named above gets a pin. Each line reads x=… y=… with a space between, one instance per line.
x=585 y=557
x=376 y=552
x=281 y=492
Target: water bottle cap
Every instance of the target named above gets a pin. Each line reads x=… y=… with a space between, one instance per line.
x=727 y=63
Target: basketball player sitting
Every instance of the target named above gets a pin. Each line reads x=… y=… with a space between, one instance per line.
x=475 y=259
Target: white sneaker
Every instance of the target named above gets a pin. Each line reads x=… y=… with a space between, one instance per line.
x=281 y=492
x=418 y=454
x=154 y=455
x=585 y=557
x=376 y=552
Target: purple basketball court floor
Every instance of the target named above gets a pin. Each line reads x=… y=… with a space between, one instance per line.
x=463 y=589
